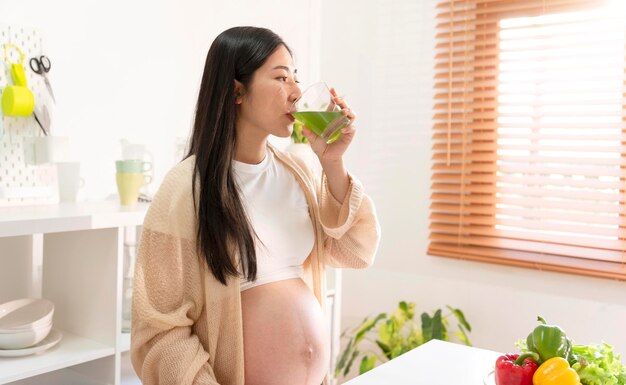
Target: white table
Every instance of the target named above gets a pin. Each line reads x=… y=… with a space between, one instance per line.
x=434 y=363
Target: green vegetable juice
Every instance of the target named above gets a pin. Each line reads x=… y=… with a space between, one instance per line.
x=318 y=121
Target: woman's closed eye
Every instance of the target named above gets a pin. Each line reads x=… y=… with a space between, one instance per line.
x=285 y=78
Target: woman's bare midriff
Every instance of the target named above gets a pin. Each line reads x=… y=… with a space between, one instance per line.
x=285 y=337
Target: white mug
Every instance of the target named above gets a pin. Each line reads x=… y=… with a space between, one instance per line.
x=69 y=180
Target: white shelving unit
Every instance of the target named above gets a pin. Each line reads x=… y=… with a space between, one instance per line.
x=73 y=255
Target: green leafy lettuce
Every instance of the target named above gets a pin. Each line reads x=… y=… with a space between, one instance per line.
x=596 y=364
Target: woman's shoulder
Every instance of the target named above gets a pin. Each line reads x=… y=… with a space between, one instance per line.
x=182 y=171
x=172 y=210
x=178 y=181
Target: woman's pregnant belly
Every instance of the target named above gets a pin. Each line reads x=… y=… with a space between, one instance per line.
x=285 y=337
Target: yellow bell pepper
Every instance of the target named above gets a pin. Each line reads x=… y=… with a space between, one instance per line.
x=556 y=371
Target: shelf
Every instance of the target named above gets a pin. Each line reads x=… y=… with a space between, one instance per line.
x=124 y=342
x=60 y=377
x=71 y=350
x=73 y=255
x=26 y=220
x=127 y=373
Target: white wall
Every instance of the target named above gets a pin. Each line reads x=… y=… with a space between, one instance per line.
x=132 y=68
x=384 y=65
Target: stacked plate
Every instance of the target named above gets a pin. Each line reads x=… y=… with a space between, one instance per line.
x=24 y=323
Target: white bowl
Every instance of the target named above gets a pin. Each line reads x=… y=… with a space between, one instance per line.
x=24 y=338
x=26 y=313
x=38 y=325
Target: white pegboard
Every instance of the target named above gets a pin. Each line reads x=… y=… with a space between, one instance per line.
x=20 y=183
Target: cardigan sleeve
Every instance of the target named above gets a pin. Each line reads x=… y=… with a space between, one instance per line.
x=168 y=298
x=351 y=229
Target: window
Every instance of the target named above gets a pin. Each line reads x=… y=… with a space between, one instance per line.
x=529 y=153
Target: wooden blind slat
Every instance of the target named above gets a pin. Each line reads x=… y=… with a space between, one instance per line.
x=491 y=220
x=541 y=261
x=545 y=237
x=575 y=230
x=531 y=203
x=528 y=169
x=523 y=8
x=491 y=179
x=539 y=249
x=489 y=210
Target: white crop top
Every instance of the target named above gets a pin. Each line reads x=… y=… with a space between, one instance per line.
x=279 y=214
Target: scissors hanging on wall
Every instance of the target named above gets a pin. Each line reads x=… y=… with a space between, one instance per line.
x=41 y=66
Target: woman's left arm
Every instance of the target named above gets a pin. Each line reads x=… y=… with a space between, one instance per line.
x=347 y=215
x=338 y=179
x=351 y=229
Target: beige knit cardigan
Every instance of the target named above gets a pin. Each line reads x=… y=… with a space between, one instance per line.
x=186 y=325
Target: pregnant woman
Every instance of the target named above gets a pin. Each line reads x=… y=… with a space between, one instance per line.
x=230 y=283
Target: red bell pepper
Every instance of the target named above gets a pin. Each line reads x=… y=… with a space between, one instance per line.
x=515 y=369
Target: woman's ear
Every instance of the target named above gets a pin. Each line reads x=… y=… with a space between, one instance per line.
x=238 y=92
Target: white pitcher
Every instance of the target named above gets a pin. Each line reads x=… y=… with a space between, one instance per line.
x=135 y=151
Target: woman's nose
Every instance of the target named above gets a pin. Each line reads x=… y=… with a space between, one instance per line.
x=295 y=93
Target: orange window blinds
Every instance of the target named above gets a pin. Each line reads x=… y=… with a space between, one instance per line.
x=529 y=144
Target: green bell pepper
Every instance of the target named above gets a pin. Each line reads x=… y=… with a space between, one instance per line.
x=549 y=341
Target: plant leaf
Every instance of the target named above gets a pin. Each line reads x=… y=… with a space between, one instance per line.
x=344 y=357
x=427 y=327
x=296 y=134
x=396 y=351
x=395 y=338
x=462 y=334
x=354 y=355
x=437 y=326
x=367 y=326
x=385 y=331
x=405 y=311
x=461 y=317
x=411 y=310
x=367 y=364
x=413 y=342
x=384 y=347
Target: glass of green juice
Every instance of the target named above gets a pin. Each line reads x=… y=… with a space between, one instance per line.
x=317 y=111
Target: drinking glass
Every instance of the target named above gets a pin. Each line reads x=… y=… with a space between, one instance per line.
x=317 y=111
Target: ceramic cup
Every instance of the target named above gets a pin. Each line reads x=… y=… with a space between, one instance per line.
x=128 y=186
x=69 y=181
x=132 y=165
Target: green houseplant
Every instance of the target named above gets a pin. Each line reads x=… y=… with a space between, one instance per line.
x=301 y=148
x=296 y=134
x=396 y=334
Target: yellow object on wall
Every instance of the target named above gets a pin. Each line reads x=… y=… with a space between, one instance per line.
x=17 y=100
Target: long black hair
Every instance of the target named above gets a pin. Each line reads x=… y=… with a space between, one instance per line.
x=224 y=230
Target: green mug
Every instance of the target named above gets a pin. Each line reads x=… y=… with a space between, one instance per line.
x=132 y=165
